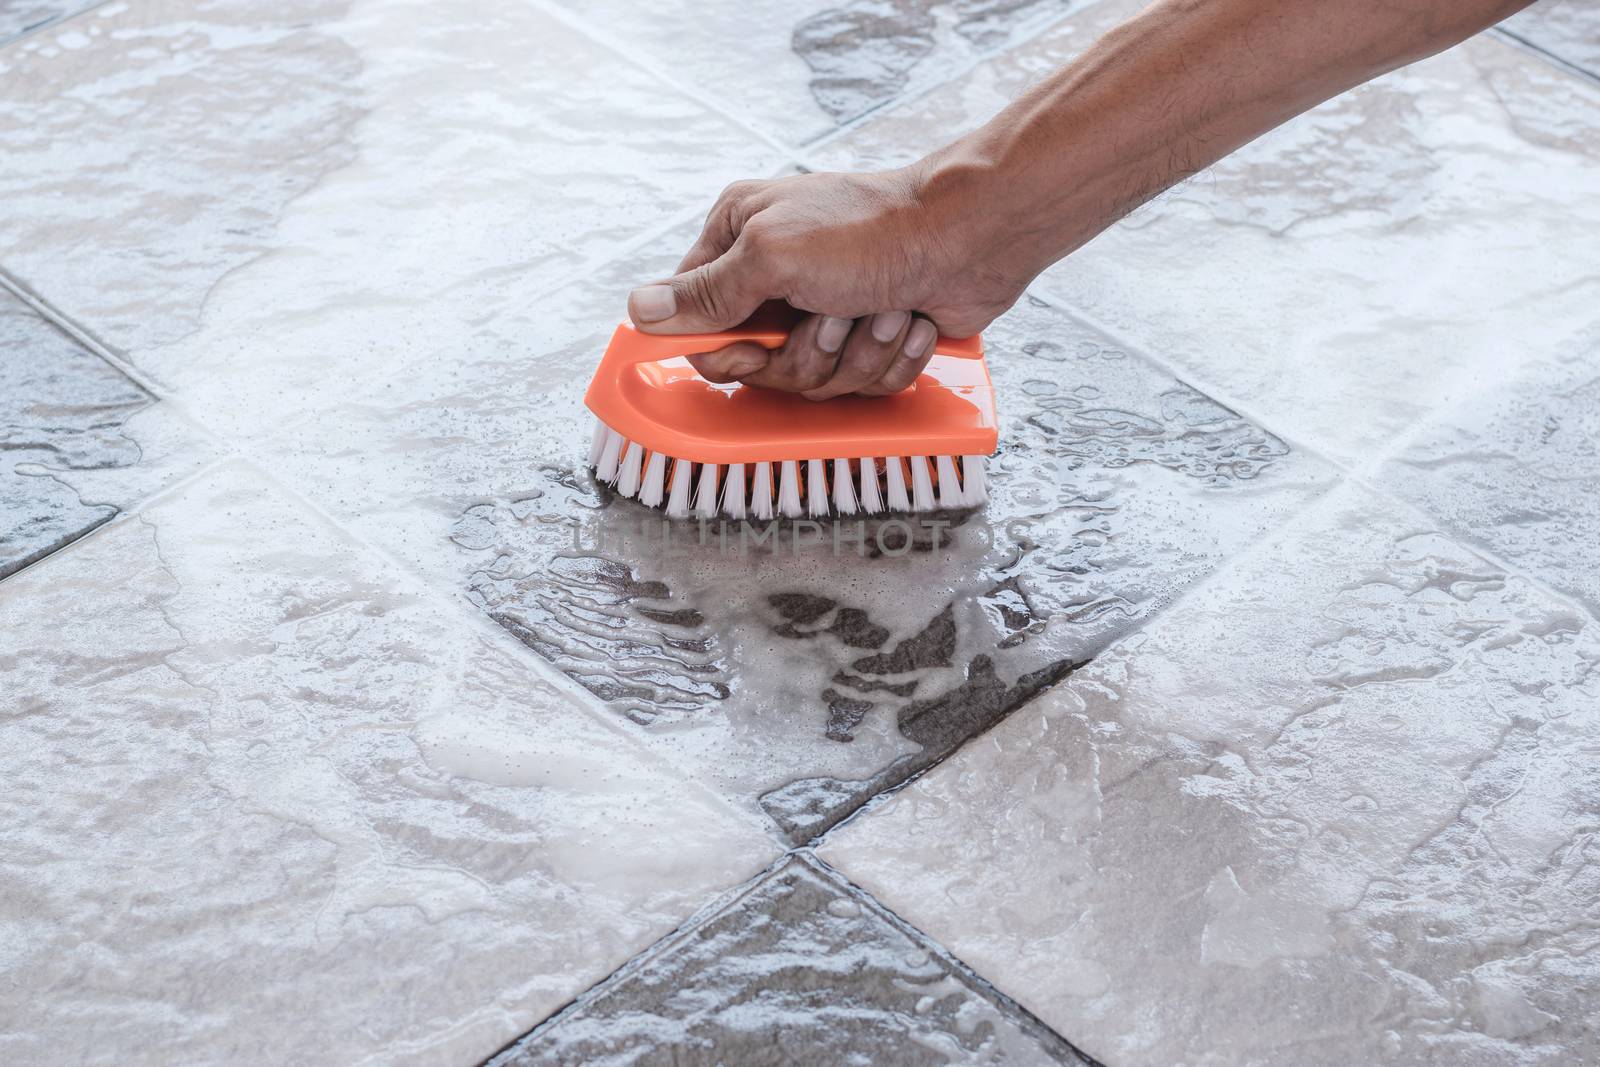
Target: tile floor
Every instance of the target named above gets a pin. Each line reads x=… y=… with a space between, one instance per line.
x=347 y=720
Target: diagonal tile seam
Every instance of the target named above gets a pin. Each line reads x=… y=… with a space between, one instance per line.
x=799 y=153
x=453 y=604
x=921 y=87
x=728 y=898
x=54 y=20
x=1561 y=63
x=1359 y=476
x=949 y=958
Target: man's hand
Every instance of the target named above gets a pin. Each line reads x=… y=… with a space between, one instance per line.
x=843 y=247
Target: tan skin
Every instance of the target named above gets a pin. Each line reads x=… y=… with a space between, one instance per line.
x=885 y=261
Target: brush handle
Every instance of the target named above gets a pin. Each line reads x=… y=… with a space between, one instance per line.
x=629 y=345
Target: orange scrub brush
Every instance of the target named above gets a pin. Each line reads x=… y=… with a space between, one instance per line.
x=673 y=439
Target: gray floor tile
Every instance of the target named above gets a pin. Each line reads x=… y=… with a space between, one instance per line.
x=800 y=69
x=1567 y=29
x=1336 y=807
x=1517 y=470
x=62 y=408
x=18 y=17
x=269 y=801
x=799 y=969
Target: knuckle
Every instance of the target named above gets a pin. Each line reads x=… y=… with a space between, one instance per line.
x=699 y=292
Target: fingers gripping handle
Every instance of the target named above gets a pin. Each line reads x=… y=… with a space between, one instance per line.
x=629 y=345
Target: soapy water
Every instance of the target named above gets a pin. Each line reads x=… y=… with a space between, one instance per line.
x=810 y=669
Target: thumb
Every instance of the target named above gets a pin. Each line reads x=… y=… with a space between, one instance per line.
x=713 y=296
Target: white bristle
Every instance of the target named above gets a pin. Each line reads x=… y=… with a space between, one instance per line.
x=606 y=469
x=871 y=499
x=844 y=488
x=950 y=495
x=654 y=488
x=898 y=500
x=817 y=487
x=682 y=481
x=733 y=492
x=921 y=484
x=705 y=500
x=761 y=492
x=630 y=470
x=597 y=444
x=789 y=490
x=973 y=489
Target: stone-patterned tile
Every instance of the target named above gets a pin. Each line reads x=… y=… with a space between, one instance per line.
x=801 y=69
x=1517 y=470
x=18 y=17
x=1353 y=271
x=1337 y=806
x=78 y=440
x=265 y=802
x=204 y=183
x=1567 y=29
x=802 y=680
x=798 y=968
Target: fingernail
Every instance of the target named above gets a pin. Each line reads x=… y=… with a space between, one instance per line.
x=920 y=338
x=886 y=325
x=652 y=303
x=832 y=332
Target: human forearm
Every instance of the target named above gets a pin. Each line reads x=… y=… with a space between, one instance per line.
x=952 y=241
x=1159 y=98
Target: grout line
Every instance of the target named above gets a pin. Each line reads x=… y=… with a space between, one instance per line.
x=717 y=904
x=984 y=986
x=53 y=21
x=920 y=88
x=67 y=325
x=644 y=63
x=724 y=901
x=1180 y=374
x=1361 y=477
x=1519 y=41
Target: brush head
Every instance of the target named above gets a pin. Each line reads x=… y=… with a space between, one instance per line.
x=672 y=439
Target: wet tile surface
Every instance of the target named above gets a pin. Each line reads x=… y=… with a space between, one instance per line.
x=1567 y=29
x=61 y=406
x=265 y=802
x=78 y=440
x=1518 y=470
x=1320 y=277
x=1336 y=806
x=801 y=69
x=241 y=256
x=18 y=17
x=802 y=680
x=797 y=969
